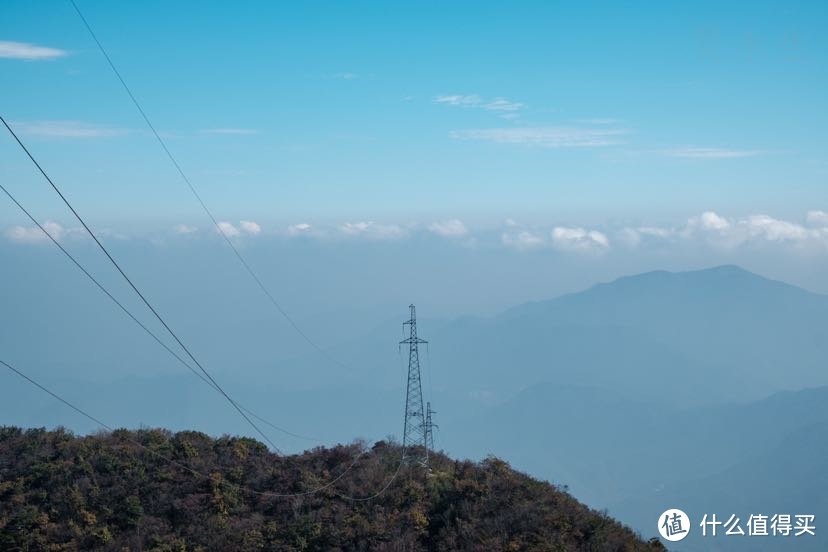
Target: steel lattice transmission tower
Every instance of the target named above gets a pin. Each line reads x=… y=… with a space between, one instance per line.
x=415 y=429
x=429 y=426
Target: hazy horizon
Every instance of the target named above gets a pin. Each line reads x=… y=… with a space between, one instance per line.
x=491 y=164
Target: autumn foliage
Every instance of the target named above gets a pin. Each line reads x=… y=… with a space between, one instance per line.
x=118 y=491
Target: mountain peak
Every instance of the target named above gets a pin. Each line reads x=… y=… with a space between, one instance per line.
x=720 y=271
x=677 y=299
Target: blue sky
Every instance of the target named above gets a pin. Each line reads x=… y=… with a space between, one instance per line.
x=536 y=111
x=693 y=129
x=465 y=157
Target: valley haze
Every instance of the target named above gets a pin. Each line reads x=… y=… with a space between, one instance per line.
x=643 y=391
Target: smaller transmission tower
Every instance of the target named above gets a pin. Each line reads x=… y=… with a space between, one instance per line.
x=415 y=442
x=429 y=428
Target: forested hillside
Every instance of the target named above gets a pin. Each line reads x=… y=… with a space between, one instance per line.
x=119 y=491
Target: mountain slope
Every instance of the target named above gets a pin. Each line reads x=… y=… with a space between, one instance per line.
x=638 y=459
x=104 y=492
x=691 y=338
x=787 y=477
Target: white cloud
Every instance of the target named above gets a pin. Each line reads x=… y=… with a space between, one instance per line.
x=758 y=228
x=356 y=227
x=28 y=52
x=245 y=227
x=345 y=75
x=522 y=240
x=299 y=229
x=772 y=229
x=250 y=227
x=473 y=100
x=706 y=229
x=502 y=104
x=707 y=221
x=230 y=130
x=228 y=229
x=453 y=228
x=710 y=153
x=370 y=229
x=547 y=137
x=561 y=237
x=33 y=234
x=578 y=239
x=67 y=129
x=184 y=229
x=712 y=221
x=654 y=231
x=717 y=230
x=817 y=218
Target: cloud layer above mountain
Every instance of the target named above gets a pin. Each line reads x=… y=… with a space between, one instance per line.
x=707 y=229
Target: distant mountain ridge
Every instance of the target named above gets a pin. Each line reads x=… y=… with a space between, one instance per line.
x=725 y=333
x=631 y=392
x=718 y=279
x=702 y=390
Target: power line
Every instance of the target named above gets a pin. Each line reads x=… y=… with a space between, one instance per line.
x=177 y=357
x=136 y=320
x=134 y=287
x=55 y=395
x=182 y=361
x=201 y=202
x=204 y=475
x=383 y=489
x=429 y=371
x=187 y=365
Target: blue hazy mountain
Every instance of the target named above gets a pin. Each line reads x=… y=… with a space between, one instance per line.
x=690 y=338
x=634 y=393
x=638 y=460
x=646 y=389
x=771 y=456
